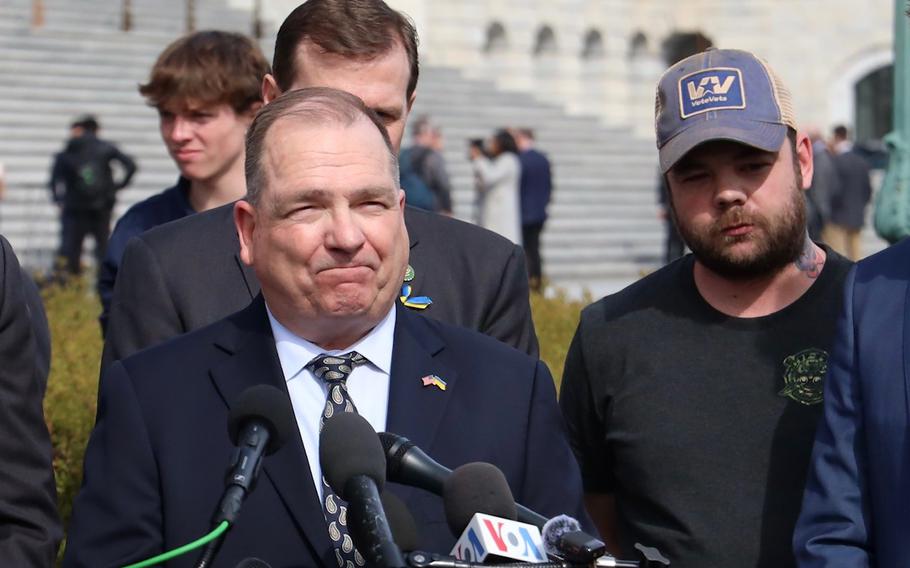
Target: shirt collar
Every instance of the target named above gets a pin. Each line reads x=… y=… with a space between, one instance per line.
x=295 y=352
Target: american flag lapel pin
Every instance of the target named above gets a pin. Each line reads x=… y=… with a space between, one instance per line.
x=434 y=381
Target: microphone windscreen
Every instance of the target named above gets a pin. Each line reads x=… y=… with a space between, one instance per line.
x=401 y=521
x=348 y=446
x=476 y=488
x=553 y=531
x=268 y=405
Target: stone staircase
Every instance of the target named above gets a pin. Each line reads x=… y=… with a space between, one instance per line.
x=603 y=228
x=603 y=225
x=80 y=62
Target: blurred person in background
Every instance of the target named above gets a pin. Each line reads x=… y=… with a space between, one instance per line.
x=848 y=204
x=423 y=174
x=206 y=89
x=498 y=177
x=535 y=188
x=82 y=184
x=825 y=184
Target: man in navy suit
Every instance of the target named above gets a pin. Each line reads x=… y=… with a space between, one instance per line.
x=323 y=228
x=856 y=501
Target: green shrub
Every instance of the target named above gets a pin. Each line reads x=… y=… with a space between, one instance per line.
x=69 y=405
x=555 y=320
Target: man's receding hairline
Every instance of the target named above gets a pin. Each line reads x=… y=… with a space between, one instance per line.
x=298 y=114
x=320 y=52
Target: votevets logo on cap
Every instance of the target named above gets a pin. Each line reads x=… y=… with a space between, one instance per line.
x=720 y=94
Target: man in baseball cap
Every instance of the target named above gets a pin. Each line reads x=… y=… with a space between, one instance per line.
x=692 y=395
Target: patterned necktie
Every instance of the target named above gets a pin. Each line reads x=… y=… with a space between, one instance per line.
x=335 y=370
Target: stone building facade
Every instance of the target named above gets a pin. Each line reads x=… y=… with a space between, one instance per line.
x=603 y=57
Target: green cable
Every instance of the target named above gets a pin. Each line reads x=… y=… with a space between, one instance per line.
x=183 y=549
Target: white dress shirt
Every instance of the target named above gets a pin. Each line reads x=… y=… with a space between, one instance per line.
x=368 y=385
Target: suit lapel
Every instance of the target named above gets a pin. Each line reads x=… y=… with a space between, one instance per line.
x=415 y=410
x=253 y=359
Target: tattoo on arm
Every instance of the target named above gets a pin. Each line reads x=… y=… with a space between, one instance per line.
x=808 y=260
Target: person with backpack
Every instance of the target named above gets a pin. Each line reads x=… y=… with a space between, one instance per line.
x=83 y=186
x=422 y=170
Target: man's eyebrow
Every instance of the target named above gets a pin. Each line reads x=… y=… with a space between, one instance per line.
x=279 y=206
x=750 y=152
x=686 y=164
x=393 y=112
x=371 y=192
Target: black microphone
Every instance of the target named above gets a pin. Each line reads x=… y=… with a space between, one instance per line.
x=476 y=488
x=409 y=465
x=353 y=464
x=259 y=422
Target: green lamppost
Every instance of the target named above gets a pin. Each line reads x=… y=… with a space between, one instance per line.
x=892 y=207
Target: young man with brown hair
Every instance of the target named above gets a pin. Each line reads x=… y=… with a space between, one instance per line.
x=205 y=87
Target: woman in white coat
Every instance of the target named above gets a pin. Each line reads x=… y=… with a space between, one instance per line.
x=497 y=186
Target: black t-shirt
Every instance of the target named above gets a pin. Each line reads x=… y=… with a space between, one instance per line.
x=700 y=424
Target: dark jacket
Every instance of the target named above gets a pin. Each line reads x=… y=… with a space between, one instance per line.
x=82 y=177
x=169 y=205
x=854 y=191
x=29 y=524
x=535 y=186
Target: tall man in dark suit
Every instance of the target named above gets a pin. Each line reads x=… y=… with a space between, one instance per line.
x=29 y=525
x=187 y=274
x=855 y=506
x=323 y=228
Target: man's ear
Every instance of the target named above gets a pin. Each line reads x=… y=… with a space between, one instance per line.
x=411 y=100
x=270 y=90
x=245 y=223
x=804 y=158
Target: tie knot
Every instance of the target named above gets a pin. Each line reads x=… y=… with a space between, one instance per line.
x=332 y=368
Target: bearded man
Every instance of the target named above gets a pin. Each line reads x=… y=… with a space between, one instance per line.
x=692 y=396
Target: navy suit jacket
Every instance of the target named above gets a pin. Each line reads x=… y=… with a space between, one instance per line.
x=856 y=509
x=155 y=464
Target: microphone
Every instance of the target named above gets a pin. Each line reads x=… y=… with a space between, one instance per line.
x=409 y=465
x=479 y=505
x=563 y=537
x=353 y=463
x=476 y=488
x=258 y=424
x=401 y=521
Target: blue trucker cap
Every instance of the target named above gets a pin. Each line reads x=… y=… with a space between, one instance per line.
x=720 y=94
